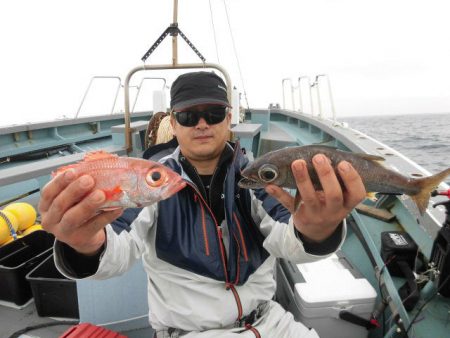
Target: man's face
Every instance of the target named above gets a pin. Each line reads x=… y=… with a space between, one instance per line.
x=203 y=141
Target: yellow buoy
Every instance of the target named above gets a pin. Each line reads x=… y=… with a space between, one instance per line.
x=31 y=229
x=5 y=232
x=24 y=212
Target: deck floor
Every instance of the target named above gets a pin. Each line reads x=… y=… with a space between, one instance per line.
x=13 y=320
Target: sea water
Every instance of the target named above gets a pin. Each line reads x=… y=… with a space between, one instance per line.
x=424 y=138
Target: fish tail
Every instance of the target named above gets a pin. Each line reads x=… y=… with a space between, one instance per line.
x=427 y=185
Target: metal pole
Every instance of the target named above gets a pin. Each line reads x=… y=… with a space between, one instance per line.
x=282 y=84
x=89 y=87
x=333 y=111
x=311 y=98
x=140 y=86
x=292 y=97
x=300 y=90
x=175 y=36
x=329 y=93
x=319 y=104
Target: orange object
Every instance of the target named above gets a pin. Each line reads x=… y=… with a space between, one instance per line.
x=127 y=182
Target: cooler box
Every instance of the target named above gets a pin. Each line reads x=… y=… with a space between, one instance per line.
x=315 y=293
x=330 y=287
x=17 y=259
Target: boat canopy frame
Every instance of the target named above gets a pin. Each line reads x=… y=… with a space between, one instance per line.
x=128 y=131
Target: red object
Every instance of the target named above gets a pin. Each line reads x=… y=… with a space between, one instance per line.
x=374 y=322
x=445 y=193
x=88 y=330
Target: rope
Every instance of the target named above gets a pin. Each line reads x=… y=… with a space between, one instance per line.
x=214 y=31
x=236 y=56
x=10 y=226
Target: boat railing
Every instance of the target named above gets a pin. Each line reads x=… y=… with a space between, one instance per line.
x=291 y=87
x=117 y=90
x=300 y=96
x=139 y=87
x=115 y=78
x=316 y=85
x=312 y=86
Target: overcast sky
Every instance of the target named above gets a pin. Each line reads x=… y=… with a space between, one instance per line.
x=382 y=57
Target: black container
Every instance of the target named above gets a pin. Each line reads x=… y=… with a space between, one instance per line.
x=398 y=246
x=54 y=294
x=19 y=258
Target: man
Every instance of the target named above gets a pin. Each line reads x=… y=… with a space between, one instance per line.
x=210 y=249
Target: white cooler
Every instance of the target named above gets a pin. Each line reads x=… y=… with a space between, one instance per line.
x=329 y=287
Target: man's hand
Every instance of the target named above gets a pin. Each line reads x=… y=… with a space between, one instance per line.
x=68 y=208
x=320 y=212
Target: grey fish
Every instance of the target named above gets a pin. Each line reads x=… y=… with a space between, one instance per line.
x=275 y=168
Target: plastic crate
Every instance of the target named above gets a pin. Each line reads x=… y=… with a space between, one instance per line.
x=17 y=259
x=88 y=330
x=54 y=295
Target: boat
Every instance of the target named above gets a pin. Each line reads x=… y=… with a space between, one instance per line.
x=411 y=304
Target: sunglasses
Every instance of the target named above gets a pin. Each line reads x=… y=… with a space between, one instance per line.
x=213 y=115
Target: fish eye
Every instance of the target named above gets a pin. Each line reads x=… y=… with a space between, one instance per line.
x=155 y=177
x=268 y=173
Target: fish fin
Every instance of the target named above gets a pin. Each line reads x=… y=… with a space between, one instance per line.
x=427 y=185
x=370 y=157
x=90 y=156
x=113 y=194
x=98 y=155
x=297 y=201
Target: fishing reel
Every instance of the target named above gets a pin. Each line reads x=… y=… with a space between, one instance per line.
x=440 y=253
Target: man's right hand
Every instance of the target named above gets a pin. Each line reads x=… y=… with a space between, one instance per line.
x=69 y=210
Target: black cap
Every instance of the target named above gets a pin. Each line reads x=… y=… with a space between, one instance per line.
x=191 y=89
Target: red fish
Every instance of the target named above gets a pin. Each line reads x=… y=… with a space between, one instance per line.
x=127 y=182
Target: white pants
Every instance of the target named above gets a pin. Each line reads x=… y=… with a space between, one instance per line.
x=275 y=323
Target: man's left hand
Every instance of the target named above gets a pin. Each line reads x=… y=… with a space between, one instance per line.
x=320 y=212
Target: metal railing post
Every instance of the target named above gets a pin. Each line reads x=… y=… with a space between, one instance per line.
x=89 y=87
x=140 y=86
x=292 y=92
x=333 y=111
x=319 y=104
x=300 y=91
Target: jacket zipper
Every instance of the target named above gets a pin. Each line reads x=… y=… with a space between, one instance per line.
x=219 y=232
x=244 y=248
x=211 y=184
x=205 y=236
x=237 y=260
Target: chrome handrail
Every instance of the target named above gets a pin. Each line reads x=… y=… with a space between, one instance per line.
x=300 y=93
x=333 y=111
x=89 y=87
x=128 y=144
x=292 y=93
x=140 y=86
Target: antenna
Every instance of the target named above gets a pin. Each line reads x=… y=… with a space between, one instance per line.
x=173 y=30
